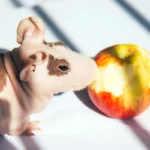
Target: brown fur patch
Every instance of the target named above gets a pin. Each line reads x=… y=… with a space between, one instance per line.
x=52 y=44
x=57 y=67
x=3 y=73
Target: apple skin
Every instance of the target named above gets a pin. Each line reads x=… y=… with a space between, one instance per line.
x=121 y=86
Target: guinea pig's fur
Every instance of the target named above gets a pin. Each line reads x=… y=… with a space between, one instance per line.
x=33 y=72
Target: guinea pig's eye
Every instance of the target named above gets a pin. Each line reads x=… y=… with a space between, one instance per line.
x=63 y=67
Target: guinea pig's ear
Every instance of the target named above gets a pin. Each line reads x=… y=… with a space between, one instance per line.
x=30 y=30
x=29 y=70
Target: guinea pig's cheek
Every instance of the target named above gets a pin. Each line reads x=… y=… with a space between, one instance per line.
x=41 y=70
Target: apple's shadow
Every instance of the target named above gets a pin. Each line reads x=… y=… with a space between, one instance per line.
x=85 y=99
x=142 y=134
x=135 y=127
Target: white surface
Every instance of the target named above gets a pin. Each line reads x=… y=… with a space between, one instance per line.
x=67 y=123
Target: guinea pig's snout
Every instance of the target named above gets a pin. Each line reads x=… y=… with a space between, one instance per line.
x=87 y=69
x=90 y=71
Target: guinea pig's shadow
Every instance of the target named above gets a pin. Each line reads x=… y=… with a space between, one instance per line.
x=85 y=99
x=5 y=144
x=29 y=142
x=58 y=94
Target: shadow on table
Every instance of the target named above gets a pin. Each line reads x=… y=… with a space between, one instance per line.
x=135 y=127
x=85 y=99
x=29 y=142
x=142 y=134
x=3 y=50
x=53 y=26
x=5 y=144
x=135 y=14
x=16 y=3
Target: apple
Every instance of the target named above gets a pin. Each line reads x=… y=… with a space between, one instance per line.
x=121 y=85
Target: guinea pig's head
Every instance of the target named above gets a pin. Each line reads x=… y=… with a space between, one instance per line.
x=52 y=67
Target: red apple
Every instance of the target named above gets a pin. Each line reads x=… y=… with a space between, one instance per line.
x=121 y=85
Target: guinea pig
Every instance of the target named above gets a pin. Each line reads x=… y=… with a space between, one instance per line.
x=33 y=72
